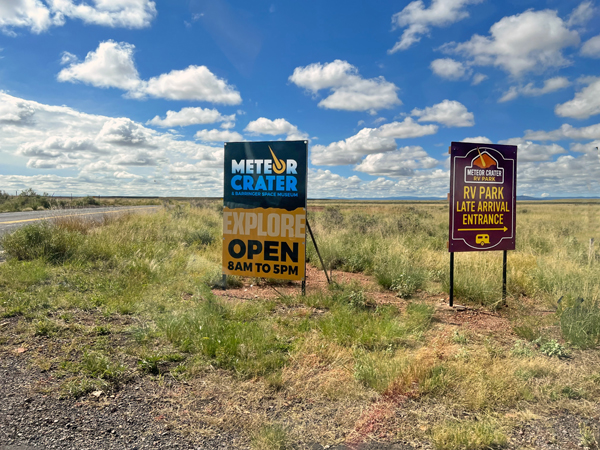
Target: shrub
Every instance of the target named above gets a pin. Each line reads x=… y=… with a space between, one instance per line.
x=27 y=199
x=401 y=277
x=553 y=348
x=41 y=240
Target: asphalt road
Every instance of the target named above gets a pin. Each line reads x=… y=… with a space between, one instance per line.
x=11 y=221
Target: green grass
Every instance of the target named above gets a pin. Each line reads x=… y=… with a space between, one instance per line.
x=271 y=437
x=469 y=435
x=249 y=347
x=131 y=297
x=580 y=324
x=403 y=246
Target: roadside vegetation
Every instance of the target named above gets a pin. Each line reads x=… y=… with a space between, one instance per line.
x=29 y=200
x=97 y=304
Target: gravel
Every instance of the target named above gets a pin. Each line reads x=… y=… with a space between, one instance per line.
x=127 y=420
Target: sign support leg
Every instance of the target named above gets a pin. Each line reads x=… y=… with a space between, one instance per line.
x=451 y=278
x=504 y=253
x=317 y=249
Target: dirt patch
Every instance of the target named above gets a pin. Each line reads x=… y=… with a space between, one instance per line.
x=477 y=320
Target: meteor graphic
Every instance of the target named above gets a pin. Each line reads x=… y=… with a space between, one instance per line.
x=278 y=164
x=481 y=157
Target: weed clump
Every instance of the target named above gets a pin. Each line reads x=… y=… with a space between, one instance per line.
x=553 y=348
x=200 y=238
x=400 y=274
x=271 y=437
x=41 y=240
x=468 y=435
x=580 y=324
x=214 y=330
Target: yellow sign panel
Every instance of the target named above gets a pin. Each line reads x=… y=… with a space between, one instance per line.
x=264 y=242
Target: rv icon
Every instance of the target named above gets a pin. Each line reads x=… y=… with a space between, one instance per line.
x=482 y=239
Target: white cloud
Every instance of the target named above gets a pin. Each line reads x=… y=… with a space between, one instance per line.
x=406 y=129
x=591 y=47
x=67 y=58
x=478 y=78
x=348 y=90
x=191 y=116
x=449 y=68
x=352 y=150
x=530 y=41
x=529 y=151
x=399 y=163
x=103 y=155
x=110 y=13
x=137 y=158
x=449 y=112
x=324 y=183
x=418 y=20
x=511 y=94
x=39 y=16
x=550 y=85
x=112 y=65
x=15 y=111
x=478 y=140
x=529 y=90
x=586 y=102
x=98 y=150
x=218 y=136
x=317 y=76
x=566 y=131
x=588 y=148
x=581 y=14
x=32 y=14
x=194 y=83
x=262 y=125
x=126 y=132
x=124 y=174
x=576 y=176
x=368 y=141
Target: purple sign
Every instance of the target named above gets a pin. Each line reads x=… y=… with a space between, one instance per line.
x=483 y=191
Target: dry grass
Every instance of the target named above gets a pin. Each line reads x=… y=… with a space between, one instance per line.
x=131 y=296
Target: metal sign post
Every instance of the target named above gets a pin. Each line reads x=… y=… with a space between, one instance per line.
x=318 y=252
x=483 y=193
x=264 y=209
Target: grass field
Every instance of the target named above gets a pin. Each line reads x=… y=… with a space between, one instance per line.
x=376 y=356
x=29 y=200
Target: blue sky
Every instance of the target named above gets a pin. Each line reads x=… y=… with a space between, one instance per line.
x=136 y=97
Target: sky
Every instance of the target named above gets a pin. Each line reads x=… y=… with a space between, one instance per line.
x=137 y=97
